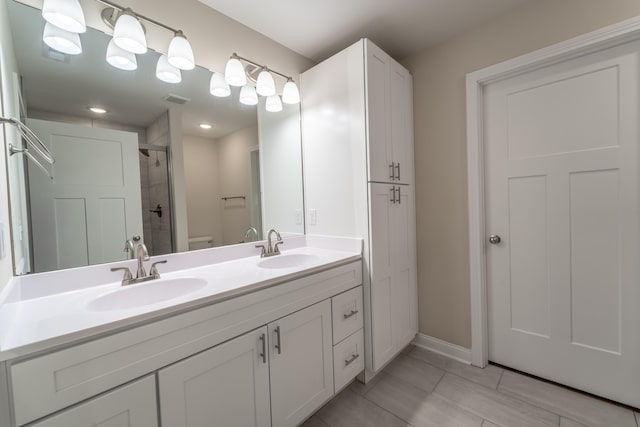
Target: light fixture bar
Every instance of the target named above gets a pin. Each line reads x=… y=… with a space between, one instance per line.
x=255 y=64
x=144 y=18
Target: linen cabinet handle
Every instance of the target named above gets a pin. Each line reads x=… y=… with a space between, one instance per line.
x=398 y=171
x=392 y=170
x=399 y=200
x=351 y=359
x=278 y=345
x=393 y=195
x=263 y=354
x=351 y=314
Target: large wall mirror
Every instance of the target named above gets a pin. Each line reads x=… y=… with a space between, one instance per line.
x=116 y=173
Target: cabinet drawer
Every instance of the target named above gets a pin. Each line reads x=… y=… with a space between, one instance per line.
x=347 y=313
x=133 y=405
x=348 y=359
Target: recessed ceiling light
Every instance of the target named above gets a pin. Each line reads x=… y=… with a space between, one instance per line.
x=205 y=125
x=97 y=110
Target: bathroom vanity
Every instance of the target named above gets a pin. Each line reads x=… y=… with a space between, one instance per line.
x=246 y=341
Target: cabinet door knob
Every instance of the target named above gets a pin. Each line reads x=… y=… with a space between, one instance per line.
x=278 y=345
x=494 y=239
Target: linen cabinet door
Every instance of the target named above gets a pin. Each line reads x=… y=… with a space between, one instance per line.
x=227 y=385
x=382 y=199
x=133 y=405
x=401 y=123
x=301 y=361
x=404 y=298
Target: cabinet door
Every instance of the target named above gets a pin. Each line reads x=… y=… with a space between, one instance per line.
x=301 y=363
x=227 y=385
x=401 y=122
x=404 y=298
x=133 y=405
x=381 y=270
x=378 y=108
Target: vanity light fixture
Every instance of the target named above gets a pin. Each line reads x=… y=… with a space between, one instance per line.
x=205 y=126
x=234 y=73
x=167 y=72
x=273 y=104
x=120 y=58
x=64 y=14
x=248 y=95
x=290 y=93
x=180 y=53
x=97 y=110
x=128 y=33
x=218 y=86
x=265 y=85
x=61 y=40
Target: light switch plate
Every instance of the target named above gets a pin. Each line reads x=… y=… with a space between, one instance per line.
x=313 y=217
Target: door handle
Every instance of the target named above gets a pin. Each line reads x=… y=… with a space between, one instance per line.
x=494 y=239
x=393 y=195
x=278 y=345
x=263 y=354
x=392 y=168
x=398 y=171
x=399 y=200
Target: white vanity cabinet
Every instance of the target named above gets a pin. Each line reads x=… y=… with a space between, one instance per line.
x=228 y=385
x=357 y=134
x=132 y=405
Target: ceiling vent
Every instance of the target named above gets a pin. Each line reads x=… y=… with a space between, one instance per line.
x=176 y=99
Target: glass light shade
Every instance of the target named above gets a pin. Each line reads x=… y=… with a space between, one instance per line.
x=61 y=40
x=273 y=104
x=167 y=72
x=248 y=95
x=180 y=52
x=218 y=87
x=65 y=14
x=234 y=73
x=120 y=58
x=265 y=85
x=129 y=35
x=290 y=93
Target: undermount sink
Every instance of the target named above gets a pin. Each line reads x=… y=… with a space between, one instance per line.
x=148 y=293
x=287 y=261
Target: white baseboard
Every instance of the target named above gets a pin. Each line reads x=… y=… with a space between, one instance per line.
x=453 y=351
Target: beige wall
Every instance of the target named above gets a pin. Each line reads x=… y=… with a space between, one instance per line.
x=440 y=138
x=203 y=187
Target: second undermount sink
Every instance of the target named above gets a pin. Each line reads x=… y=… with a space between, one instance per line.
x=148 y=293
x=288 y=261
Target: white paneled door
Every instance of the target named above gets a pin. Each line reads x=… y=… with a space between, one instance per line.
x=92 y=205
x=562 y=197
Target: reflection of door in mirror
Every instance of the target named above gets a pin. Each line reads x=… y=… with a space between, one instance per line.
x=92 y=205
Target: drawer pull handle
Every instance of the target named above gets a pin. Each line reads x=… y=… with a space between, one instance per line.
x=351 y=360
x=263 y=355
x=278 y=344
x=353 y=313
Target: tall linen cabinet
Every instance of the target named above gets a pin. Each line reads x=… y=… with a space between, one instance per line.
x=357 y=127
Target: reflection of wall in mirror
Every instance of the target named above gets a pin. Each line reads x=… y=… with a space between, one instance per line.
x=9 y=108
x=216 y=169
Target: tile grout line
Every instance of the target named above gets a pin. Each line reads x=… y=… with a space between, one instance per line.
x=500 y=380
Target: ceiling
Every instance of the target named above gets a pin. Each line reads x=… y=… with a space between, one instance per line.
x=318 y=29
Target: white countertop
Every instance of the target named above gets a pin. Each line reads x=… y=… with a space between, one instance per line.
x=48 y=309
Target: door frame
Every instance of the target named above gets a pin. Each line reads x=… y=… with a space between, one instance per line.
x=604 y=38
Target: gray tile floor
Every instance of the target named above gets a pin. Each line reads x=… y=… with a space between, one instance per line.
x=421 y=388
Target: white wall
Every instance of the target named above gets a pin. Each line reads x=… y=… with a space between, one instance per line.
x=234 y=164
x=202 y=179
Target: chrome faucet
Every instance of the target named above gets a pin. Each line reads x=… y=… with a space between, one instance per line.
x=271 y=250
x=142 y=255
x=141 y=275
x=247 y=235
x=128 y=248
